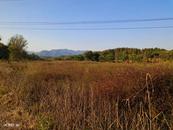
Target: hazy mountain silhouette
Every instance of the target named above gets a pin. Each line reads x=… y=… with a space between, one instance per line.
x=59 y=52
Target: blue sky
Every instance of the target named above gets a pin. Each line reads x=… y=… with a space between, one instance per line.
x=88 y=10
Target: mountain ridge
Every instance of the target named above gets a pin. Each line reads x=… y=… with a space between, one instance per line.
x=59 y=52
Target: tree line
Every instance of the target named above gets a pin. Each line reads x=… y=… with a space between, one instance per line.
x=124 y=55
x=15 y=49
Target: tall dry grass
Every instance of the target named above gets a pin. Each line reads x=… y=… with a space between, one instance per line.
x=86 y=95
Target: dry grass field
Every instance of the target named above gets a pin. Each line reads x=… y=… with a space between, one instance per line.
x=69 y=95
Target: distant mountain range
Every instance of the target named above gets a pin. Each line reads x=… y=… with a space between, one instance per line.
x=59 y=52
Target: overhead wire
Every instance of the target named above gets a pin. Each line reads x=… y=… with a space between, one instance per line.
x=85 y=22
x=78 y=29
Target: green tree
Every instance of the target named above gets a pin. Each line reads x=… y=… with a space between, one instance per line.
x=121 y=54
x=4 y=53
x=17 y=47
x=33 y=57
x=107 y=55
x=75 y=57
x=95 y=56
x=88 y=55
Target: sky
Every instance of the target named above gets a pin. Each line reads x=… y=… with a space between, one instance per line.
x=87 y=10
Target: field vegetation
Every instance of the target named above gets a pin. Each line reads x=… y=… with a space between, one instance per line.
x=73 y=95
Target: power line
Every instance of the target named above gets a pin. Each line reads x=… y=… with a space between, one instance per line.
x=87 y=22
x=88 y=29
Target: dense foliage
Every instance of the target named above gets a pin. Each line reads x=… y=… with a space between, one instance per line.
x=125 y=55
x=4 y=52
